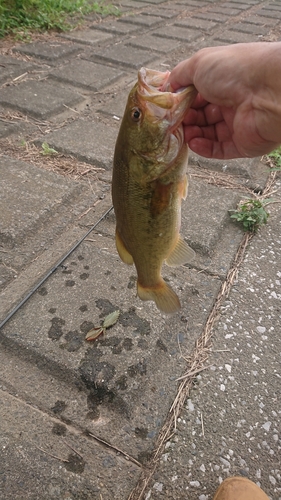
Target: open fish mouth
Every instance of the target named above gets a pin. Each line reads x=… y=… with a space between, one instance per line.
x=161 y=102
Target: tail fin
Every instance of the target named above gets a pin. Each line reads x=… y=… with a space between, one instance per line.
x=164 y=297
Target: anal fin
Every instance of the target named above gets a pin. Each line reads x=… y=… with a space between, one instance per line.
x=125 y=256
x=181 y=254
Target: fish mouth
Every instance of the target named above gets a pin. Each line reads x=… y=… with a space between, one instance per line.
x=161 y=103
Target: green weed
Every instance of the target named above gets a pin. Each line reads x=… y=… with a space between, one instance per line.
x=275 y=156
x=251 y=214
x=18 y=17
x=46 y=150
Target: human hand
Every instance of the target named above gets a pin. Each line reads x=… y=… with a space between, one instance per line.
x=237 y=112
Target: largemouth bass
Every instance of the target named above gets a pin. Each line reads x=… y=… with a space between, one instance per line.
x=149 y=182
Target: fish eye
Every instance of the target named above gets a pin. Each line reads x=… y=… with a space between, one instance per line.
x=136 y=114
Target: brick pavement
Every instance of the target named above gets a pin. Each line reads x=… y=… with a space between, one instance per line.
x=69 y=91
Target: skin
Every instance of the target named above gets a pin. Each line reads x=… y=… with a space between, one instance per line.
x=237 y=112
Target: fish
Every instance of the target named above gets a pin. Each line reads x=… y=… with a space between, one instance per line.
x=149 y=181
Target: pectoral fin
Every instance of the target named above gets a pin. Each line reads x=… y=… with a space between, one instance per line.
x=181 y=254
x=122 y=250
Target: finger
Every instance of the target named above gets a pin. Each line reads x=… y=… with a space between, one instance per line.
x=214 y=149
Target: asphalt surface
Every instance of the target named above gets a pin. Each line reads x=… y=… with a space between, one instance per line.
x=160 y=406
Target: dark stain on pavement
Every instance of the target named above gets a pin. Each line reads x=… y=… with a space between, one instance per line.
x=75 y=464
x=55 y=332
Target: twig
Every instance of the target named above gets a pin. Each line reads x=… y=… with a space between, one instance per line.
x=75 y=451
x=51 y=455
x=109 y=445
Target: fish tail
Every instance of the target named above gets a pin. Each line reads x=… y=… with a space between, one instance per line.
x=164 y=297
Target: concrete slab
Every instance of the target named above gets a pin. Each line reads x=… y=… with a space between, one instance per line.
x=212 y=16
x=236 y=37
x=148 y=21
x=24 y=213
x=200 y=24
x=230 y=424
x=116 y=27
x=177 y=33
x=261 y=20
x=246 y=27
x=165 y=13
x=121 y=374
x=89 y=36
x=87 y=74
x=33 y=441
x=87 y=140
x=116 y=106
x=40 y=99
x=149 y=42
x=50 y=52
x=120 y=55
x=13 y=68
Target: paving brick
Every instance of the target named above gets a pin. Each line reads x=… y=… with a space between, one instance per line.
x=158 y=44
x=248 y=2
x=116 y=106
x=192 y=4
x=269 y=13
x=87 y=74
x=147 y=21
x=12 y=68
x=273 y=6
x=230 y=12
x=121 y=55
x=155 y=1
x=165 y=13
x=49 y=51
x=245 y=27
x=43 y=193
x=89 y=36
x=260 y=20
x=89 y=141
x=116 y=27
x=7 y=128
x=40 y=99
x=177 y=33
x=200 y=24
x=236 y=37
x=237 y=5
x=212 y=16
x=134 y=4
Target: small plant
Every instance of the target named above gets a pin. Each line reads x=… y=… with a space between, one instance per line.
x=275 y=156
x=251 y=214
x=46 y=150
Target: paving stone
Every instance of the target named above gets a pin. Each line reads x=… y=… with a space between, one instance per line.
x=90 y=36
x=249 y=2
x=90 y=141
x=269 y=13
x=116 y=106
x=200 y=24
x=212 y=16
x=236 y=5
x=49 y=51
x=177 y=33
x=40 y=99
x=87 y=74
x=273 y=6
x=13 y=68
x=230 y=12
x=134 y=4
x=245 y=27
x=158 y=44
x=154 y=1
x=121 y=378
x=262 y=21
x=192 y=4
x=43 y=193
x=165 y=13
x=236 y=37
x=147 y=21
x=66 y=473
x=7 y=128
x=121 y=55
x=117 y=27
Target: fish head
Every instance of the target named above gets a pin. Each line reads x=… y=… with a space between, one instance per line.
x=153 y=119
